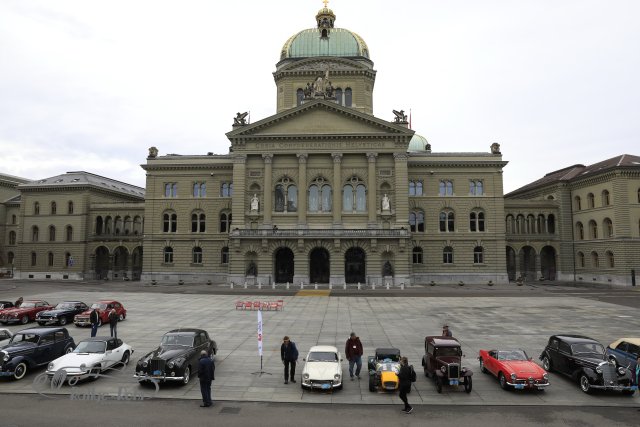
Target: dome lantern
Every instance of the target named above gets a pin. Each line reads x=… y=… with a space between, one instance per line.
x=325 y=19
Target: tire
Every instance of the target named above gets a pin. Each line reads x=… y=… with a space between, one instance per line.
x=187 y=376
x=468 y=384
x=482 y=368
x=94 y=374
x=584 y=384
x=68 y=349
x=503 y=381
x=24 y=320
x=372 y=383
x=438 y=384
x=125 y=358
x=120 y=317
x=63 y=321
x=546 y=363
x=20 y=371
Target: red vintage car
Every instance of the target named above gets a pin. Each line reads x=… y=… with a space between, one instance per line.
x=103 y=307
x=514 y=369
x=25 y=313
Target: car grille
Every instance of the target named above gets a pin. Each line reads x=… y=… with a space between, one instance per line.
x=454 y=370
x=389 y=385
x=609 y=374
x=156 y=365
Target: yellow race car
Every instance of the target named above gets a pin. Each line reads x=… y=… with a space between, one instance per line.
x=383 y=369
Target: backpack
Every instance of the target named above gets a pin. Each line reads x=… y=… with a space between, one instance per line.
x=413 y=374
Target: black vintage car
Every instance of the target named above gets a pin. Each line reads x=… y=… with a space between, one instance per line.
x=443 y=360
x=583 y=359
x=176 y=357
x=61 y=314
x=30 y=348
x=5 y=304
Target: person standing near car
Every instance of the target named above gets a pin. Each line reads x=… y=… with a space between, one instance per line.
x=446 y=332
x=94 y=319
x=113 y=322
x=404 y=379
x=353 y=352
x=289 y=356
x=18 y=303
x=206 y=370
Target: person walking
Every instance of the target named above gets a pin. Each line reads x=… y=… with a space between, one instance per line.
x=353 y=351
x=113 y=323
x=446 y=332
x=206 y=370
x=18 y=302
x=404 y=378
x=94 y=319
x=289 y=356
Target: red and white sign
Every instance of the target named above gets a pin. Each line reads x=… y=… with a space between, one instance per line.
x=259 y=332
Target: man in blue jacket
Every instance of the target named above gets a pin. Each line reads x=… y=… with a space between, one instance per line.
x=206 y=369
x=289 y=356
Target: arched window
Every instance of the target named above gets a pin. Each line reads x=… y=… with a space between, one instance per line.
x=52 y=233
x=508 y=224
x=34 y=259
x=593 y=229
x=198 y=220
x=551 y=224
x=12 y=237
x=580 y=260
x=10 y=257
x=591 y=201
x=595 y=262
x=225 y=222
x=169 y=222
x=50 y=259
x=417 y=255
x=69 y=233
x=137 y=225
x=36 y=208
x=476 y=221
x=167 y=255
x=108 y=225
x=35 y=234
x=196 y=255
x=224 y=255
x=127 y=225
x=447 y=255
x=354 y=195
x=199 y=189
x=610 y=260
x=67 y=260
x=299 y=97
x=118 y=225
x=607 y=228
x=521 y=224
x=338 y=94
x=445 y=188
x=447 y=221
x=347 y=97
x=416 y=221
x=54 y=208
x=415 y=188
x=578 y=203
x=286 y=195
x=171 y=189
x=226 y=189
x=579 y=231
x=70 y=207
x=476 y=188
x=99 y=223
x=319 y=196
x=606 y=200
x=478 y=255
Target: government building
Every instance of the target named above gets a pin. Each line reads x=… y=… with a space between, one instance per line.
x=325 y=192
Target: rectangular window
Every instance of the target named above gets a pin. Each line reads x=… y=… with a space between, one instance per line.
x=170 y=189
x=199 y=189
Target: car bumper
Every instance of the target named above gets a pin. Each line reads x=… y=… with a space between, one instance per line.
x=613 y=387
x=82 y=322
x=144 y=377
x=10 y=320
x=321 y=384
x=47 y=321
x=527 y=385
x=6 y=373
x=82 y=375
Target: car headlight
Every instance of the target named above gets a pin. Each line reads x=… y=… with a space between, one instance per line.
x=621 y=370
x=5 y=356
x=145 y=364
x=514 y=376
x=83 y=367
x=305 y=376
x=336 y=376
x=598 y=370
x=443 y=369
x=50 y=367
x=170 y=365
x=546 y=377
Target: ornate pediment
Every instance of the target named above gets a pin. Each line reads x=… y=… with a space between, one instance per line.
x=321 y=65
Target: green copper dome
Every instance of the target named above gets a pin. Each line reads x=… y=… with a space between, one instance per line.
x=339 y=42
x=418 y=143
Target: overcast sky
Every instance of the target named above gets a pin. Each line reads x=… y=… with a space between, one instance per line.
x=90 y=85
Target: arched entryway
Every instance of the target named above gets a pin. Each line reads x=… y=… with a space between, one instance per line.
x=120 y=262
x=355 y=266
x=511 y=263
x=319 y=266
x=102 y=263
x=528 y=263
x=548 y=262
x=284 y=265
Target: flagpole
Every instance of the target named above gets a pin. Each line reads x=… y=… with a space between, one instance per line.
x=261 y=372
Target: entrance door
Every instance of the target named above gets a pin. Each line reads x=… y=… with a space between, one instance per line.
x=548 y=262
x=284 y=265
x=354 y=266
x=319 y=266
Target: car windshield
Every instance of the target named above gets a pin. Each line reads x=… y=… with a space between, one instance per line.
x=587 y=348
x=98 y=305
x=322 y=356
x=512 y=355
x=91 y=347
x=177 y=339
x=20 y=338
x=65 y=306
x=448 y=351
x=28 y=305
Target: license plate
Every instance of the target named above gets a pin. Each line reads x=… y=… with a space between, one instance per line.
x=157 y=372
x=518 y=386
x=326 y=386
x=6 y=374
x=454 y=382
x=634 y=387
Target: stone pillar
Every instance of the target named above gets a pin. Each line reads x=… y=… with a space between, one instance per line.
x=401 y=202
x=337 y=188
x=372 y=199
x=239 y=184
x=266 y=193
x=110 y=267
x=302 y=189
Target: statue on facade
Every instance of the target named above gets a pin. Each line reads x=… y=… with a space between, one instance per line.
x=387 y=269
x=153 y=152
x=495 y=148
x=240 y=119
x=252 y=269
x=385 y=203
x=308 y=91
x=401 y=117
x=318 y=85
x=255 y=203
x=329 y=91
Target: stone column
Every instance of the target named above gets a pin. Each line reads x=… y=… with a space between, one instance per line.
x=337 y=188
x=302 y=189
x=266 y=193
x=239 y=184
x=110 y=267
x=371 y=191
x=401 y=202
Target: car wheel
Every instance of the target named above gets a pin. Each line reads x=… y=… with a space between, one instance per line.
x=503 y=381
x=68 y=349
x=438 y=384
x=121 y=317
x=372 y=383
x=125 y=358
x=187 y=376
x=20 y=371
x=482 y=368
x=546 y=364
x=63 y=321
x=584 y=384
x=24 y=320
x=468 y=384
x=94 y=374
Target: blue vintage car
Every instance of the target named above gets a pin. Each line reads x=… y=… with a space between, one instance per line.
x=624 y=352
x=31 y=348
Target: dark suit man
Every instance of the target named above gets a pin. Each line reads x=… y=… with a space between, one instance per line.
x=206 y=369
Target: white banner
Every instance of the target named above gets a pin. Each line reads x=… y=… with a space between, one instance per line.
x=259 y=332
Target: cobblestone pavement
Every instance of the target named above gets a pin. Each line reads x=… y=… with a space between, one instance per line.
x=488 y=321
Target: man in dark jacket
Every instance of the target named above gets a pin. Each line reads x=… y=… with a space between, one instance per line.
x=353 y=352
x=206 y=369
x=113 y=322
x=94 y=318
x=404 y=379
x=289 y=356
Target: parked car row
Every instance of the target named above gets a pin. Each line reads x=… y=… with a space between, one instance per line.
x=65 y=312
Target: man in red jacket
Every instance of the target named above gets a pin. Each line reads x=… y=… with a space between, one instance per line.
x=353 y=352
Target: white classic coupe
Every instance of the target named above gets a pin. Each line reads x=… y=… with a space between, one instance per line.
x=90 y=357
x=322 y=369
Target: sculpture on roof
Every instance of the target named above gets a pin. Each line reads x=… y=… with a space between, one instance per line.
x=495 y=148
x=240 y=119
x=401 y=117
x=153 y=152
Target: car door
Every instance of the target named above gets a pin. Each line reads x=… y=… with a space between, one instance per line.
x=565 y=361
x=431 y=357
x=45 y=351
x=492 y=362
x=114 y=352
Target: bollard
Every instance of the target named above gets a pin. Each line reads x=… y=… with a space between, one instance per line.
x=402 y=285
x=358 y=285
x=373 y=286
x=330 y=286
x=209 y=282
x=180 y=282
x=301 y=285
x=315 y=286
x=273 y=285
x=387 y=285
x=345 y=286
x=259 y=285
x=245 y=284
x=287 y=285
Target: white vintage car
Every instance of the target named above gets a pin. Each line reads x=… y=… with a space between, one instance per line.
x=322 y=369
x=90 y=357
x=5 y=337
